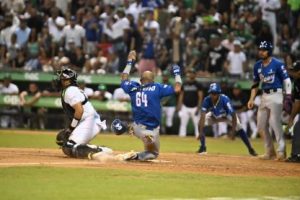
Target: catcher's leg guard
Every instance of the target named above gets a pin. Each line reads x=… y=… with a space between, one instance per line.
x=74 y=150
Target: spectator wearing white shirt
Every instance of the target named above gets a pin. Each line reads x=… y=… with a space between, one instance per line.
x=8 y=88
x=120 y=95
x=236 y=60
x=102 y=94
x=74 y=32
x=89 y=92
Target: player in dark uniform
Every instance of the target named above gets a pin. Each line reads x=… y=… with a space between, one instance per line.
x=189 y=102
x=294 y=72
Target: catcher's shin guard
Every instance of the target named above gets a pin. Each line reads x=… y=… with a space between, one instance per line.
x=73 y=150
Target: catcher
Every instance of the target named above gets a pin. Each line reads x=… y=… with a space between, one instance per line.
x=85 y=121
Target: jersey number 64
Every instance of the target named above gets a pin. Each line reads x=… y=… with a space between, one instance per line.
x=141 y=98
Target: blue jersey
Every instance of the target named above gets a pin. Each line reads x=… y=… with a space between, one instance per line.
x=272 y=75
x=145 y=101
x=222 y=108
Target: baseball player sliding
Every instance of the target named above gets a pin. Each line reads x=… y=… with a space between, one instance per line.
x=85 y=121
x=216 y=107
x=146 y=109
x=273 y=77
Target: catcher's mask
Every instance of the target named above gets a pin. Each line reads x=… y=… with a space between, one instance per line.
x=66 y=74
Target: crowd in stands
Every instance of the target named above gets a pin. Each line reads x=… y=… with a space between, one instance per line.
x=214 y=37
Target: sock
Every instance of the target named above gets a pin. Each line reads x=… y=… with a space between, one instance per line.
x=245 y=139
x=202 y=141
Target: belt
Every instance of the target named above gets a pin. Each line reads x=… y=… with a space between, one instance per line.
x=270 y=91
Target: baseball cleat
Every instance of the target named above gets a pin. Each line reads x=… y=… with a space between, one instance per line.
x=267 y=157
x=106 y=150
x=202 y=151
x=252 y=152
x=132 y=155
x=293 y=159
x=281 y=156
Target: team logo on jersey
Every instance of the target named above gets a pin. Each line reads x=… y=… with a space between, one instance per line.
x=269 y=78
x=133 y=89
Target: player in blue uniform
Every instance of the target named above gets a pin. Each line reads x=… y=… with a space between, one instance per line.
x=273 y=76
x=216 y=107
x=146 y=109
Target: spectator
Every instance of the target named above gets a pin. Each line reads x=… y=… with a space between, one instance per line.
x=74 y=32
x=102 y=94
x=8 y=116
x=236 y=62
x=89 y=92
x=120 y=95
x=92 y=32
x=216 y=56
x=34 y=118
x=22 y=32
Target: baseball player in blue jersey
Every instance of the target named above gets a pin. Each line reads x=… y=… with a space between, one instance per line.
x=272 y=75
x=216 y=107
x=146 y=109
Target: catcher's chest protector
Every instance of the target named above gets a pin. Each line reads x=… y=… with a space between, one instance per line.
x=296 y=139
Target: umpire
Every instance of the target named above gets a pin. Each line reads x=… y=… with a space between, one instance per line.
x=294 y=72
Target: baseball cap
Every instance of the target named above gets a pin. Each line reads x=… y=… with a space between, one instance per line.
x=60 y=21
x=237 y=86
x=237 y=42
x=73 y=18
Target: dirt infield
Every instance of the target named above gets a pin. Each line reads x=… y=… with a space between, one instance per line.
x=168 y=162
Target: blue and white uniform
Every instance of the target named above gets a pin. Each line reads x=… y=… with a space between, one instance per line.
x=146 y=110
x=222 y=111
x=272 y=78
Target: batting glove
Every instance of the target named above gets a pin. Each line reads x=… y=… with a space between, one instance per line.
x=176 y=70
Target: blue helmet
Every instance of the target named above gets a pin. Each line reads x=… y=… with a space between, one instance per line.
x=265 y=45
x=119 y=127
x=214 y=88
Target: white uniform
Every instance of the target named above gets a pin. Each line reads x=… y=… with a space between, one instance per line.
x=90 y=123
x=5 y=120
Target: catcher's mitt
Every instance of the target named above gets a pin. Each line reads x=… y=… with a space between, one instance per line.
x=62 y=137
x=288 y=104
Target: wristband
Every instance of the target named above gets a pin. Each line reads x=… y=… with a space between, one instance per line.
x=178 y=79
x=128 y=67
x=74 y=123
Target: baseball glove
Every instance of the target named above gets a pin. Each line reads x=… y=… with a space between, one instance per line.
x=62 y=137
x=288 y=103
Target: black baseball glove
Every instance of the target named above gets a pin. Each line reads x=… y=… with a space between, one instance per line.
x=63 y=136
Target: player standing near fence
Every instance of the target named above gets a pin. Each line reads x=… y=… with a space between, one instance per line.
x=146 y=108
x=272 y=75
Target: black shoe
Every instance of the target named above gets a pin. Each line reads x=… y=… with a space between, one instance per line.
x=252 y=152
x=202 y=150
x=293 y=159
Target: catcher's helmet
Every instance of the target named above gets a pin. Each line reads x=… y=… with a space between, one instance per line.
x=67 y=73
x=214 y=88
x=267 y=46
x=119 y=127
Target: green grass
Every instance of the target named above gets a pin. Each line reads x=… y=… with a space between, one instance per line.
x=28 y=183
x=125 y=143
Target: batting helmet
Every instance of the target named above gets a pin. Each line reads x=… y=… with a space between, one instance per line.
x=214 y=88
x=267 y=46
x=119 y=127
